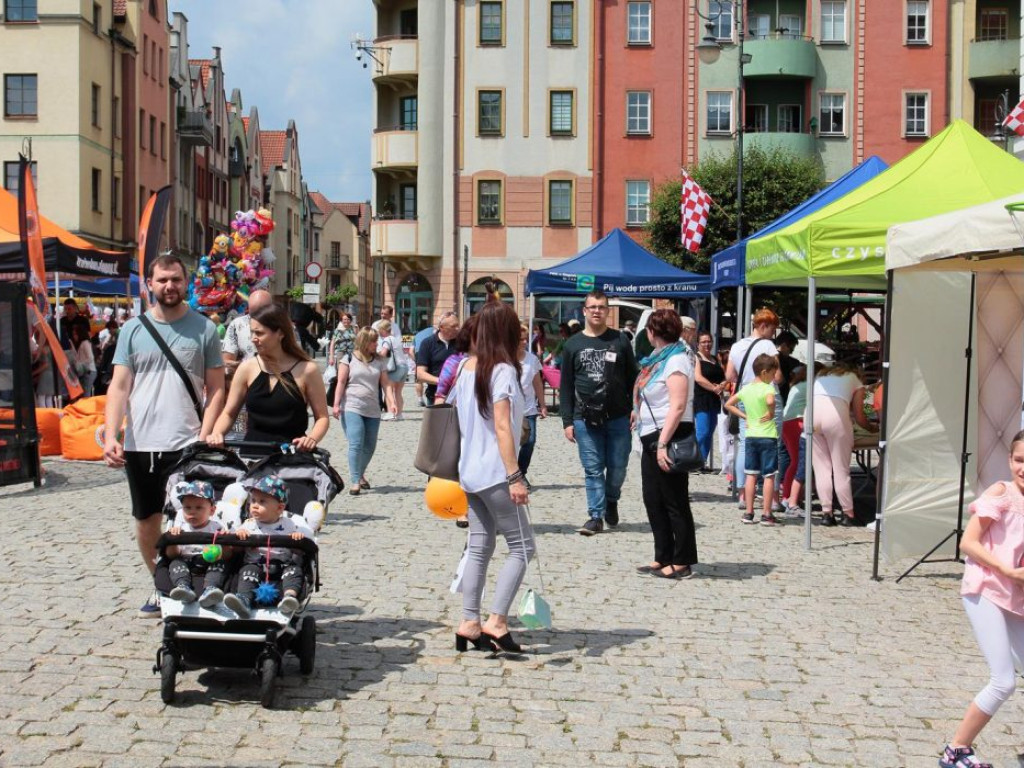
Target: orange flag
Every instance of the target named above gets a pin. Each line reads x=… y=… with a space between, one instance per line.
x=151 y=225
x=31 y=236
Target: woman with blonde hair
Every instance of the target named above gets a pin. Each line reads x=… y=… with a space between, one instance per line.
x=396 y=367
x=360 y=375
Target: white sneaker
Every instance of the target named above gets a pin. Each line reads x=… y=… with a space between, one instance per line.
x=793 y=512
x=387 y=417
x=399 y=417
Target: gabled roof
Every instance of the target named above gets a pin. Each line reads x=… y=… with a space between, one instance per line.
x=120 y=8
x=358 y=212
x=204 y=70
x=272 y=146
x=325 y=206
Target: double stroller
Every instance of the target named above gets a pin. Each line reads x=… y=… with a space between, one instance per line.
x=195 y=637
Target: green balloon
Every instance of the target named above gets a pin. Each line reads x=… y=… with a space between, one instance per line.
x=212 y=553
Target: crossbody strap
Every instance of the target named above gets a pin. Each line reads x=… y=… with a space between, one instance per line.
x=739 y=375
x=175 y=364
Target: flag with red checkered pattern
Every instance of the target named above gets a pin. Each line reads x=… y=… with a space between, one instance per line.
x=694 y=205
x=1015 y=120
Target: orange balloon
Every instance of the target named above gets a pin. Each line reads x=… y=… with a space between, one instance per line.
x=446 y=499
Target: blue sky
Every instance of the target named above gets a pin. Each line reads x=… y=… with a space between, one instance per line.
x=292 y=59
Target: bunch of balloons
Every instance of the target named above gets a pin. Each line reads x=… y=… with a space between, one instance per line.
x=236 y=265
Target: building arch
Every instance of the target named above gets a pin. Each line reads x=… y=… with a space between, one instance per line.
x=414 y=303
x=476 y=293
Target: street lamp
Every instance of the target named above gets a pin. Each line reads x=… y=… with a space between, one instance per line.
x=709 y=50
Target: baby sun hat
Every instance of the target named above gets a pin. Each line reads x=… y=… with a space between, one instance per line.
x=272 y=485
x=199 y=488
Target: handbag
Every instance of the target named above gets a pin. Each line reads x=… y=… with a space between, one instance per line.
x=392 y=364
x=534 y=610
x=175 y=364
x=683 y=453
x=440 y=446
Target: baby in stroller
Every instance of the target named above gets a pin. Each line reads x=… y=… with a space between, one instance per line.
x=196 y=516
x=272 y=571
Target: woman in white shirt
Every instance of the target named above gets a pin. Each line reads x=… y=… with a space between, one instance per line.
x=533 y=391
x=838 y=391
x=85 y=360
x=663 y=408
x=490 y=404
x=390 y=347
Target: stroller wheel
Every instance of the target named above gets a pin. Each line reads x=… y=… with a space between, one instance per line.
x=268 y=679
x=307 y=645
x=168 y=670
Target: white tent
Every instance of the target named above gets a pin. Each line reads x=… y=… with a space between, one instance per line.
x=950 y=274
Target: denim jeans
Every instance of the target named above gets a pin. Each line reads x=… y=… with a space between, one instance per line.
x=361 y=432
x=526 y=449
x=706 y=422
x=604 y=453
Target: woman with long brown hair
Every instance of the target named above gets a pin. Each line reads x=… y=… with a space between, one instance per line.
x=490 y=406
x=278 y=387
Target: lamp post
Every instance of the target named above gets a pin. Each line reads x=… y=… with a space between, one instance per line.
x=708 y=51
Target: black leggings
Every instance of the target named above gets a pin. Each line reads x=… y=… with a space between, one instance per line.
x=181 y=569
x=667 y=499
x=288 y=576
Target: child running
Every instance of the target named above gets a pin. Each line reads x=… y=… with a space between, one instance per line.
x=283 y=567
x=187 y=559
x=993 y=595
x=762 y=443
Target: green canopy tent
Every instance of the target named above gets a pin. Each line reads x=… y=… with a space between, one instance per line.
x=843 y=244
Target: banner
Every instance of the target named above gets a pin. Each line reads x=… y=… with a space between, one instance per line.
x=151 y=226
x=31 y=236
x=60 y=358
x=694 y=207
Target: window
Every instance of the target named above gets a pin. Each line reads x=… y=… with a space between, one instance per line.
x=488 y=202
x=160 y=66
x=21 y=95
x=791 y=27
x=407 y=200
x=142 y=129
x=638 y=203
x=993 y=24
x=21 y=10
x=335 y=254
x=832 y=114
x=94 y=109
x=491 y=19
x=638 y=23
x=142 y=200
x=153 y=10
x=145 y=54
x=163 y=140
x=489 y=113
x=408 y=23
x=756 y=118
x=790 y=118
x=833 y=21
x=115 y=198
x=720 y=112
x=560 y=120
x=97 y=179
x=759 y=25
x=915 y=114
x=97 y=18
x=117 y=117
x=559 y=202
x=409 y=108
x=152 y=135
x=917 y=22
x=720 y=12
x=638 y=111
x=12 y=180
x=562 y=26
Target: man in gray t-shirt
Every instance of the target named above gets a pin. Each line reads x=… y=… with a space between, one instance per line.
x=151 y=399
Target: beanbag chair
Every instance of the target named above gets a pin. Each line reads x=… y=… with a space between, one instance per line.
x=81 y=429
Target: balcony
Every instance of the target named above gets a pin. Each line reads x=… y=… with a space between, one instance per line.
x=781 y=56
x=395 y=149
x=338 y=263
x=993 y=59
x=195 y=127
x=394 y=237
x=797 y=144
x=398 y=59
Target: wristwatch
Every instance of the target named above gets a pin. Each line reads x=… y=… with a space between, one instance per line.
x=662 y=445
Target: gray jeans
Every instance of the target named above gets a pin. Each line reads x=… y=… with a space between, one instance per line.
x=491 y=512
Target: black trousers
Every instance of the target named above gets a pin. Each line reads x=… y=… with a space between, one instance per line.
x=286 y=575
x=181 y=569
x=667 y=500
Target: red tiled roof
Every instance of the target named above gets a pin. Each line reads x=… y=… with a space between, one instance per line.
x=120 y=8
x=272 y=144
x=358 y=212
x=245 y=124
x=321 y=202
x=204 y=69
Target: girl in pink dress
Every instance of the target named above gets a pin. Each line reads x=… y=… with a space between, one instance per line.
x=993 y=595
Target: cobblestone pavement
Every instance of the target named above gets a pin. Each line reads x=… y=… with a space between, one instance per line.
x=771 y=656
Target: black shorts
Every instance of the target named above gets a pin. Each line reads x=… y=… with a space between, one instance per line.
x=147 y=476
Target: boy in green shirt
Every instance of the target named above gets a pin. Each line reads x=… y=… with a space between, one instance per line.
x=762 y=445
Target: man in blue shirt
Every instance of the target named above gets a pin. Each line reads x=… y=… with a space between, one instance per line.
x=417 y=342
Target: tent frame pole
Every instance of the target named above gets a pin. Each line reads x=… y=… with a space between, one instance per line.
x=957 y=532
x=714 y=321
x=739 y=314
x=884 y=424
x=812 y=321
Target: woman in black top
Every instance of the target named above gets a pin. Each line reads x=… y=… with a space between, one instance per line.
x=278 y=386
x=707 y=396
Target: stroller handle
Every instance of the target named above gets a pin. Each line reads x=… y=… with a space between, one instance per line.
x=305 y=545
x=272 y=446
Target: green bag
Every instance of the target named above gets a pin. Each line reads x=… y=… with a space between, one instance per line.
x=534 y=610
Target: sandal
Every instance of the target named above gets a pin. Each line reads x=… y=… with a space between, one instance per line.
x=828 y=520
x=364 y=485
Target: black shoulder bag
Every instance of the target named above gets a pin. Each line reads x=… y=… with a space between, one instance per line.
x=175 y=364
x=594 y=409
x=734 y=420
x=683 y=451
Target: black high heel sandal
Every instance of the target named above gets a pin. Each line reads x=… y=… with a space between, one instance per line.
x=828 y=520
x=481 y=642
x=504 y=643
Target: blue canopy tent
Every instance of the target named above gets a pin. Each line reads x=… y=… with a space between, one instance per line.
x=620 y=267
x=103 y=286
x=729 y=266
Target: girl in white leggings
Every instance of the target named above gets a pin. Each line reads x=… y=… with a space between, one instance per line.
x=993 y=596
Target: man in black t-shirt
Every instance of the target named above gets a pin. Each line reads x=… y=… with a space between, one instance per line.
x=596 y=396
x=434 y=351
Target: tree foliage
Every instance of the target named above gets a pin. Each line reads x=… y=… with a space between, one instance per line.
x=774 y=182
x=341 y=294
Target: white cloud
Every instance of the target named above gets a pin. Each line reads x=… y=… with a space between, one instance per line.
x=291 y=59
